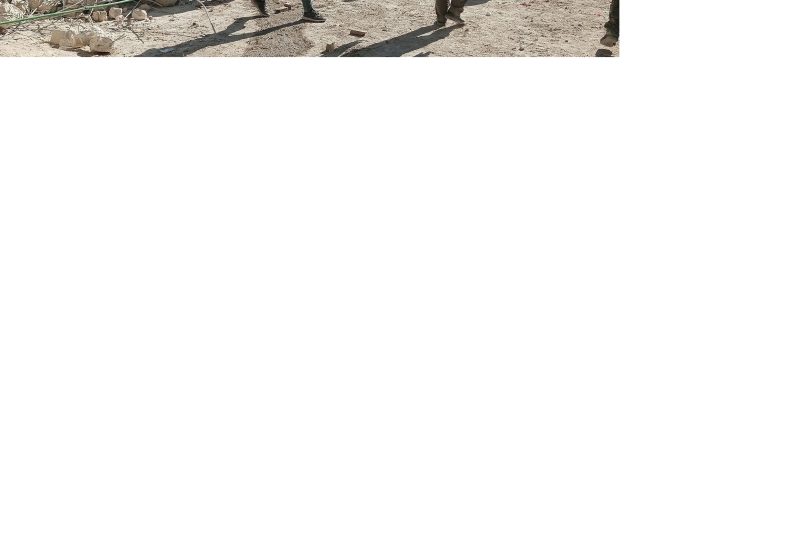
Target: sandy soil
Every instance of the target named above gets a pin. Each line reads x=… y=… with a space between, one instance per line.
x=393 y=28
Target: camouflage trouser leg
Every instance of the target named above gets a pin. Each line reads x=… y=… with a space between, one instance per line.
x=612 y=27
x=442 y=6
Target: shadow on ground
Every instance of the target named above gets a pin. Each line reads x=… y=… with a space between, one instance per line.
x=405 y=43
x=222 y=37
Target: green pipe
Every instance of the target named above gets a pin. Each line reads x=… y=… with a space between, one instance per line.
x=60 y=13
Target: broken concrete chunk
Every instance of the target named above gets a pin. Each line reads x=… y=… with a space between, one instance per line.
x=85 y=37
x=113 y=13
x=9 y=12
x=355 y=32
x=139 y=15
x=101 y=44
x=99 y=16
x=42 y=6
x=69 y=41
x=56 y=36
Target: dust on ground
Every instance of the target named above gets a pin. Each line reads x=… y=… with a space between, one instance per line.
x=495 y=28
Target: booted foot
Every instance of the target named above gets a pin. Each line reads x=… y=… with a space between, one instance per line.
x=438 y=23
x=262 y=7
x=609 y=40
x=313 y=16
x=455 y=18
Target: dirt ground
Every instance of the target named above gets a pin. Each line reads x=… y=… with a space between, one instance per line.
x=495 y=28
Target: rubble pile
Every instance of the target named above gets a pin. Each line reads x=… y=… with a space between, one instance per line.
x=97 y=38
x=98 y=41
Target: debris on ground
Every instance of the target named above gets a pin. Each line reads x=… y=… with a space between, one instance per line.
x=360 y=33
x=9 y=12
x=96 y=40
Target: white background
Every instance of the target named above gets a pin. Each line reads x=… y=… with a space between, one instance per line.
x=406 y=304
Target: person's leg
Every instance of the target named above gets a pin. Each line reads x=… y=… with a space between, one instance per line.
x=457 y=6
x=441 y=10
x=310 y=14
x=612 y=26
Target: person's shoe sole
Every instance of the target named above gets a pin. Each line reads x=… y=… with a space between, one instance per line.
x=439 y=23
x=455 y=19
x=313 y=20
x=609 y=40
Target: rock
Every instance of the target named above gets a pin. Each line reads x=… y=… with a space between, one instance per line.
x=71 y=4
x=165 y=3
x=119 y=19
x=85 y=37
x=330 y=47
x=56 y=36
x=113 y=13
x=281 y=10
x=42 y=6
x=99 y=16
x=354 y=32
x=69 y=41
x=21 y=5
x=101 y=44
x=9 y=12
x=139 y=15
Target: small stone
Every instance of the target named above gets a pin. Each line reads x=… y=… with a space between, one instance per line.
x=85 y=37
x=139 y=15
x=10 y=11
x=99 y=16
x=281 y=10
x=119 y=19
x=330 y=47
x=113 y=13
x=354 y=32
x=56 y=36
x=69 y=41
x=101 y=44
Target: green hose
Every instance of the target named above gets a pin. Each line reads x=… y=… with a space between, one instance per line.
x=60 y=13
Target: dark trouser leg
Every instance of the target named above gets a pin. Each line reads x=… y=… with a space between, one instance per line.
x=612 y=27
x=307 y=7
x=457 y=6
x=441 y=9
